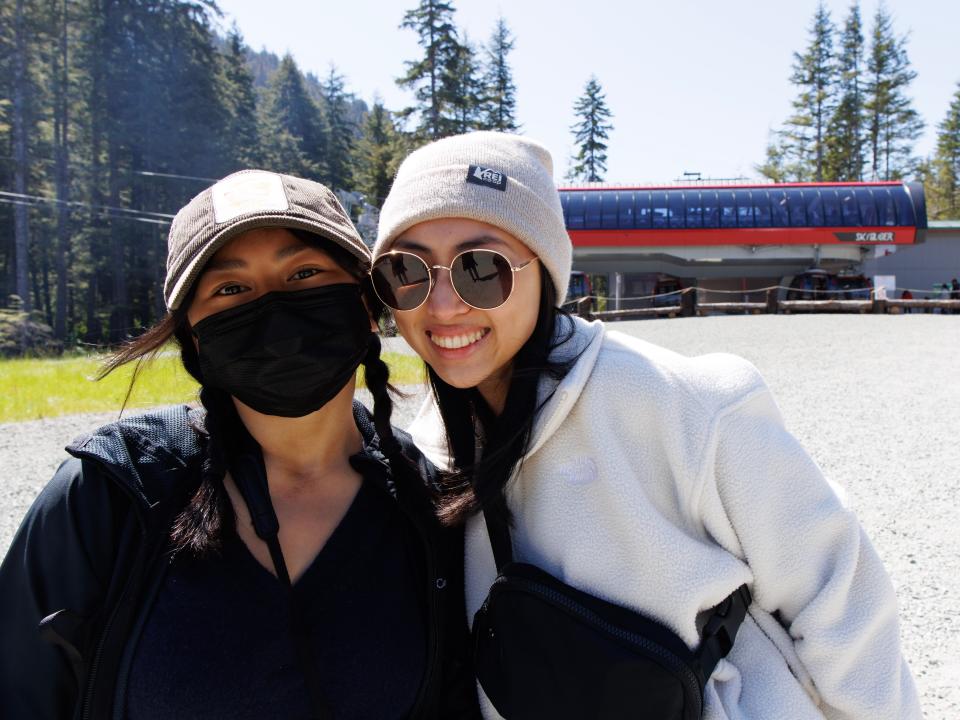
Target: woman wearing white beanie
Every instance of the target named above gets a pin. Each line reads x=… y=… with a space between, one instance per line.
x=644 y=538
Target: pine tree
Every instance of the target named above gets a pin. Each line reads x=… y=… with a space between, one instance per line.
x=464 y=90
x=341 y=130
x=813 y=74
x=845 y=136
x=377 y=154
x=431 y=78
x=22 y=121
x=943 y=186
x=893 y=125
x=590 y=162
x=294 y=125
x=242 y=131
x=500 y=91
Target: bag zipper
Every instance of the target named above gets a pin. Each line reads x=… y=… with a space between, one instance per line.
x=674 y=663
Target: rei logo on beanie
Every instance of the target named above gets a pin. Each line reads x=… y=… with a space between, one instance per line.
x=487 y=176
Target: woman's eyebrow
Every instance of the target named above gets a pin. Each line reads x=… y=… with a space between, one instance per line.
x=225 y=264
x=480 y=241
x=239 y=263
x=289 y=250
x=470 y=244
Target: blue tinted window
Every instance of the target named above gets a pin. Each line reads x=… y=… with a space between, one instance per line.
x=796 y=207
x=711 y=212
x=848 y=207
x=814 y=207
x=831 y=208
x=779 y=217
x=592 y=211
x=675 y=203
x=744 y=208
x=728 y=209
x=694 y=209
x=761 y=208
x=658 y=205
x=575 y=211
x=886 y=213
x=625 y=210
x=905 y=211
x=644 y=213
x=608 y=210
x=868 y=208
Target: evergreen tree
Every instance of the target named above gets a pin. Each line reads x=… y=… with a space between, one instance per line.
x=341 y=131
x=243 y=139
x=464 y=90
x=813 y=74
x=22 y=123
x=500 y=101
x=943 y=182
x=845 y=137
x=892 y=125
x=590 y=162
x=432 y=78
x=293 y=123
x=777 y=167
x=377 y=154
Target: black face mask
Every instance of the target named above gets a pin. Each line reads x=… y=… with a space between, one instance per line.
x=286 y=353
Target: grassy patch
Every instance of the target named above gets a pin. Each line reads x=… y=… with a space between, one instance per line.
x=31 y=389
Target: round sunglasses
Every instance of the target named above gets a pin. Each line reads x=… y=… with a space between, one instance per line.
x=483 y=279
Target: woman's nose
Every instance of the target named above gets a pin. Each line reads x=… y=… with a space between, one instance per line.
x=444 y=302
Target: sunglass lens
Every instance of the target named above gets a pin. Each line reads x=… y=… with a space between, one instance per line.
x=483 y=278
x=401 y=280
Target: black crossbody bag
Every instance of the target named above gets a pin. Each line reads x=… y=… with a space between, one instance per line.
x=545 y=650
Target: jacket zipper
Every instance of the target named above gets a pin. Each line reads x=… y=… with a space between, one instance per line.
x=136 y=503
x=675 y=663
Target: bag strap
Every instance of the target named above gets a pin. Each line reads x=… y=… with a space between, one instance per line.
x=250 y=476
x=721 y=630
x=499 y=531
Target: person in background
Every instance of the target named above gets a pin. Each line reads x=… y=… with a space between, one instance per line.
x=273 y=554
x=616 y=488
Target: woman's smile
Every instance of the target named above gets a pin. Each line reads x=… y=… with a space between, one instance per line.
x=456 y=339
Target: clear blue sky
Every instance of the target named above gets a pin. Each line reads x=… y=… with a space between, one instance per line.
x=694 y=86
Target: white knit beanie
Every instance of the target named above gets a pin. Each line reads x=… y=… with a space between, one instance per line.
x=500 y=179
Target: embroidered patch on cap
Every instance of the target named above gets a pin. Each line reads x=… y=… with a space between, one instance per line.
x=249 y=192
x=486 y=176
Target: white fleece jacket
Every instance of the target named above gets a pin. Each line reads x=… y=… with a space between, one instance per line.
x=662 y=483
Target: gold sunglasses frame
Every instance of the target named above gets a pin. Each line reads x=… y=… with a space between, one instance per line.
x=514 y=269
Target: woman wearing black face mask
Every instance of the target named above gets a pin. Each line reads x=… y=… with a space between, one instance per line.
x=274 y=554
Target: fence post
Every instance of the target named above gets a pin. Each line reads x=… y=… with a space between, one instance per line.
x=772 y=301
x=583 y=308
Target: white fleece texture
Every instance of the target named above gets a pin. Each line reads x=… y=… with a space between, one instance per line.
x=662 y=483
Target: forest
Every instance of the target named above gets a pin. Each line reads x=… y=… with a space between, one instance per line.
x=113 y=113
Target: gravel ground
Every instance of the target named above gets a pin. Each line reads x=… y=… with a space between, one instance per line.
x=874 y=399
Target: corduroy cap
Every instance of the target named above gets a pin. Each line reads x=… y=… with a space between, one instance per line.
x=244 y=201
x=500 y=179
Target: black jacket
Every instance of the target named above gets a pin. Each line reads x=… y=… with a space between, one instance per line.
x=89 y=557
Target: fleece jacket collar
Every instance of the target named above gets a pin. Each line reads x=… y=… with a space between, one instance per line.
x=581 y=349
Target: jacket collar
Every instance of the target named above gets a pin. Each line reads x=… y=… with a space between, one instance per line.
x=557 y=399
x=145 y=453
